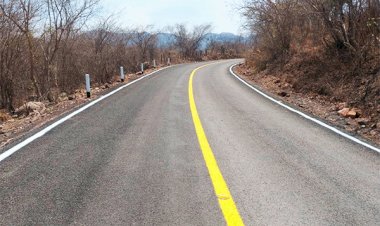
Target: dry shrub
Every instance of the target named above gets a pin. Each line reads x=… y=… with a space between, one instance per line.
x=347 y=29
x=329 y=47
x=4 y=116
x=45 y=49
x=217 y=50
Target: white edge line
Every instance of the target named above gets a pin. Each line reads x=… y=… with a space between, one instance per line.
x=41 y=133
x=305 y=115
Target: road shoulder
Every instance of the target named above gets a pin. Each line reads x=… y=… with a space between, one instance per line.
x=317 y=108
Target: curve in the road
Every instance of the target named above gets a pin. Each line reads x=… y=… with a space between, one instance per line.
x=226 y=202
x=335 y=130
x=135 y=160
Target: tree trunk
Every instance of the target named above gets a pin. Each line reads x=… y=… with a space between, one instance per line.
x=31 y=63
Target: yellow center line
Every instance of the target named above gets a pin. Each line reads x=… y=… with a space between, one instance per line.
x=226 y=202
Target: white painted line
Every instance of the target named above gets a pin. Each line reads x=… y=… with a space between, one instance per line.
x=29 y=140
x=305 y=115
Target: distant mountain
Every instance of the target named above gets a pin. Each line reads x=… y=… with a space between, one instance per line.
x=222 y=37
x=166 y=39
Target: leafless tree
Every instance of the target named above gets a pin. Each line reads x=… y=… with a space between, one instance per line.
x=189 y=42
x=64 y=18
x=22 y=13
x=46 y=47
x=145 y=39
x=11 y=61
x=216 y=50
x=348 y=26
x=353 y=25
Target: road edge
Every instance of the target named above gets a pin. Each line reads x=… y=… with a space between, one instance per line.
x=304 y=115
x=10 y=151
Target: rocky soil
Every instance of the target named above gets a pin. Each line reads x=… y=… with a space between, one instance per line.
x=341 y=114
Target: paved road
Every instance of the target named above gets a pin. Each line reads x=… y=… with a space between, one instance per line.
x=134 y=158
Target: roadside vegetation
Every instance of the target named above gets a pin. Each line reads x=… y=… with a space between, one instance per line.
x=328 y=49
x=46 y=48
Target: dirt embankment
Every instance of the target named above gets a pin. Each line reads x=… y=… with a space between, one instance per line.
x=326 y=89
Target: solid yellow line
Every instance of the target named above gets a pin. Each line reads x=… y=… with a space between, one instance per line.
x=226 y=202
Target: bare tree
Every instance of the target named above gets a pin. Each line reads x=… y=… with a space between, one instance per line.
x=145 y=39
x=22 y=13
x=105 y=42
x=354 y=25
x=64 y=17
x=45 y=48
x=11 y=61
x=226 y=49
x=189 y=42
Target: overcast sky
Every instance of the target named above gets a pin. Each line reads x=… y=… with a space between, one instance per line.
x=221 y=14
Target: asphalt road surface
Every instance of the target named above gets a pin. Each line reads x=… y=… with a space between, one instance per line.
x=135 y=159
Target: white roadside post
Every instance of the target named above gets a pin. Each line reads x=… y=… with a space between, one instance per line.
x=122 y=76
x=169 y=61
x=142 y=68
x=88 y=85
x=154 y=64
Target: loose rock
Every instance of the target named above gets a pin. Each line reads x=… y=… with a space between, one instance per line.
x=351 y=122
x=352 y=114
x=31 y=107
x=340 y=106
x=344 y=112
x=71 y=97
x=357 y=111
x=63 y=96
